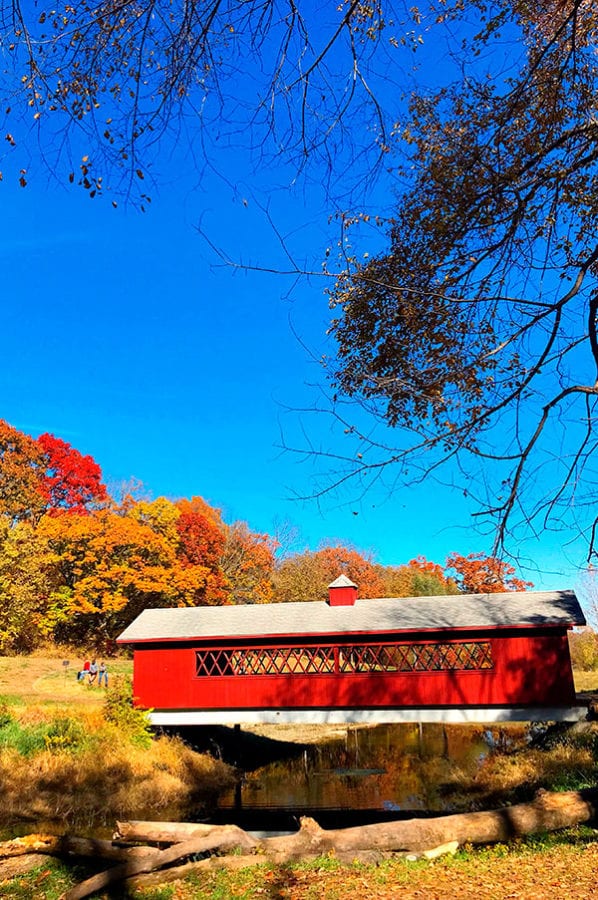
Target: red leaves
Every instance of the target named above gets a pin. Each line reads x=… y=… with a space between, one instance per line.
x=202 y=536
x=72 y=482
x=45 y=475
x=201 y=533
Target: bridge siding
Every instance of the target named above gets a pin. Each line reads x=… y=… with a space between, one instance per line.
x=531 y=668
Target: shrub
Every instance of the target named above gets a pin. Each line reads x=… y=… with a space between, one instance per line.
x=65 y=734
x=119 y=711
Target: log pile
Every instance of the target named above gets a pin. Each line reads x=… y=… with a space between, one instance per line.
x=145 y=853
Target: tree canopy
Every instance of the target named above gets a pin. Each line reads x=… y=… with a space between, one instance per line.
x=102 y=85
x=473 y=334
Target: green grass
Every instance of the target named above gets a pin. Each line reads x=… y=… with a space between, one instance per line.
x=26 y=740
x=48 y=881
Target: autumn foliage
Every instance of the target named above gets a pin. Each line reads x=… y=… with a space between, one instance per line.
x=77 y=567
x=71 y=482
x=479 y=574
x=306 y=575
x=45 y=475
x=419 y=578
x=22 y=467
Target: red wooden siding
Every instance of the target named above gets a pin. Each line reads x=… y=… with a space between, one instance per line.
x=522 y=669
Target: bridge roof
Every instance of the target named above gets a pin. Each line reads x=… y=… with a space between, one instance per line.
x=372 y=616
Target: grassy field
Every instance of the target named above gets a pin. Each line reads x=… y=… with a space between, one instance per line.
x=41 y=681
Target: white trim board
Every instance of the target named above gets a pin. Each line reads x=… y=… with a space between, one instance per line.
x=366 y=716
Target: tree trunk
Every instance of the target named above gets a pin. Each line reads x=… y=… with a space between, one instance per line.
x=548 y=812
x=161 y=832
x=228 y=837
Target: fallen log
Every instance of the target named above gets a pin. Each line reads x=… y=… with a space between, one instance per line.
x=97 y=848
x=65 y=845
x=229 y=836
x=30 y=843
x=428 y=837
x=547 y=812
x=160 y=832
x=233 y=863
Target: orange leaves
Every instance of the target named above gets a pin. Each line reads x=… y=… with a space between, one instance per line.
x=248 y=563
x=201 y=536
x=479 y=574
x=418 y=578
x=113 y=566
x=21 y=470
x=307 y=575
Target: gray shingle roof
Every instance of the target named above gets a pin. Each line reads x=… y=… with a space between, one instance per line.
x=404 y=614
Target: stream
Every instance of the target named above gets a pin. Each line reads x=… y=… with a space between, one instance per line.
x=361 y=775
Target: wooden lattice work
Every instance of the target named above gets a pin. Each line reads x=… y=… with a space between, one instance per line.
x=346 y=659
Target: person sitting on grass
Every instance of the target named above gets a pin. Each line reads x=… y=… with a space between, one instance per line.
x=93 y=671
x=84 y=671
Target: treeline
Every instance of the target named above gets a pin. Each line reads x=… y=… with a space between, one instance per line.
x=77 y=565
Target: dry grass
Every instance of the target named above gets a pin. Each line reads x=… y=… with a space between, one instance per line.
x=585 y=681
x=536 y=768
x=44 y=681
x=108 y=776
x=111 y=779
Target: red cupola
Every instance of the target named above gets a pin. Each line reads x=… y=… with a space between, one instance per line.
x=342 y=592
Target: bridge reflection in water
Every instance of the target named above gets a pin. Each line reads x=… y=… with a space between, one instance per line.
x=362 y=774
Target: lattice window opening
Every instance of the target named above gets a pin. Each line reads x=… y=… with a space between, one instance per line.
x=352 y=659
x=416 y=657
x=274 y=661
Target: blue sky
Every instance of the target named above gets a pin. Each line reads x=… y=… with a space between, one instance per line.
x=123 y=334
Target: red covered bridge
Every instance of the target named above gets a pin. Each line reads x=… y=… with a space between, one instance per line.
x=468 y=658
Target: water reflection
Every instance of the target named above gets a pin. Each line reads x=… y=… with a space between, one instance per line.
x=386 y=768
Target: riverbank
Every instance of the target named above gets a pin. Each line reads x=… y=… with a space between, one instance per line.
x=74 y=754
x=566 y=871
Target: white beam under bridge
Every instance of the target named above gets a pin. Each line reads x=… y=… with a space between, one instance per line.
x=453 y=715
